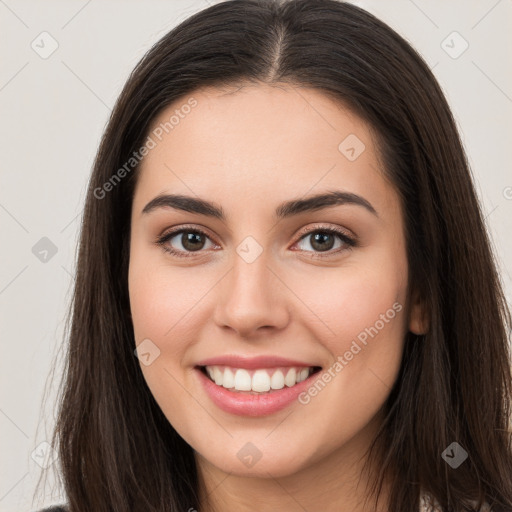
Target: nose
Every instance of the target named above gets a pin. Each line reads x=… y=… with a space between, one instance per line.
x=251 y=299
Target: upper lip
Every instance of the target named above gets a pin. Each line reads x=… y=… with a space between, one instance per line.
x=236 y=361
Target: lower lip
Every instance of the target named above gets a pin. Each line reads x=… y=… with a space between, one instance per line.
x=244 y=404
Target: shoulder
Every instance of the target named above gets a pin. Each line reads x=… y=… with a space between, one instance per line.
x=429 y=504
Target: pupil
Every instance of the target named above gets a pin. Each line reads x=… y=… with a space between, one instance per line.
x=319 y=240
x=192 y=241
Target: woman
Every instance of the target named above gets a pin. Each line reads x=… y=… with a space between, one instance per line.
x=285 y=295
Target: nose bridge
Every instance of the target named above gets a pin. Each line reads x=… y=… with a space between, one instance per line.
x=250 y=298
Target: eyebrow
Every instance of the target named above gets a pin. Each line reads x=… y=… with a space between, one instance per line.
x=284 y=210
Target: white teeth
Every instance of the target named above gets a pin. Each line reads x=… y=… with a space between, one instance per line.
x=242 y=380
x=303 y=375
x=291 y=377
x=218 y=376
x=228 y=380
x=277 y=380
x=259 y=381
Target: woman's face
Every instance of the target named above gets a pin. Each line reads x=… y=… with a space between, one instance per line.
x=266 y=296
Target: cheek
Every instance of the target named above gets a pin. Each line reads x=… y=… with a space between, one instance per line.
x=369 y=309
x=363 y=325
x=365 y=340
x=164 y=310
x=162 y=298
x=170 y=307
x=350 y=302
x=361 y=322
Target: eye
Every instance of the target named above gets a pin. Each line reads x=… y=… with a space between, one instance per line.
x=324 y=240
x=187 y=240
x=184 y=242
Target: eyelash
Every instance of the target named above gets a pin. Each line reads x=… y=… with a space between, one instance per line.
x=350 y=242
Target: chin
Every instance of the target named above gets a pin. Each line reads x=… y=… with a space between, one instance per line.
x=258 y=459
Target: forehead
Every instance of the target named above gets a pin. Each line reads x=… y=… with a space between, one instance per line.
x=262 y=143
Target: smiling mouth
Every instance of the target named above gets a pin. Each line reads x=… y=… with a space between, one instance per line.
x=257 y=381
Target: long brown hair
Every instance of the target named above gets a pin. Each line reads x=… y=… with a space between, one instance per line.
x=117 y=450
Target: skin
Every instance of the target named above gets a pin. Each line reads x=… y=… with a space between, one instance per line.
x=249 y=149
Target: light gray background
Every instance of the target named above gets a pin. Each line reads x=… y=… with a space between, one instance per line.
x=54 y=110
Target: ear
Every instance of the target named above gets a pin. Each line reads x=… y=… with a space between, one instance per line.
x=418 y=315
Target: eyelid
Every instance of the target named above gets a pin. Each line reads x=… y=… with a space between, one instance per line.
x=325 y=227
x=185 y=227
